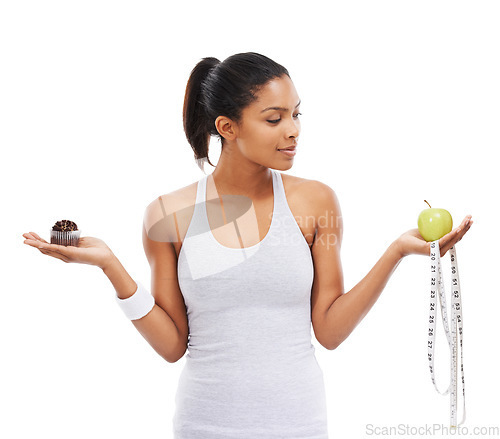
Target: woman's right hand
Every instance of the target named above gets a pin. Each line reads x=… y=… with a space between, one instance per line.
x=92 y=251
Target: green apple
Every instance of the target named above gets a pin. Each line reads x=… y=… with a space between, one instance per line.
x=434 y=223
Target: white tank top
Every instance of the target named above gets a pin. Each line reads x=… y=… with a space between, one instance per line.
x=250 y=371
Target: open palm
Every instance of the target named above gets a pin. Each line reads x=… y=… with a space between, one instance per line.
x=92 y=251
x=412 y=242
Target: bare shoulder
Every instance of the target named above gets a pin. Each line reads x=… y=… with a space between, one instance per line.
x=313 y=194
x=296 y=186
x=324 y=193
x=317 y=200
x=166 y=217
x=327 y=207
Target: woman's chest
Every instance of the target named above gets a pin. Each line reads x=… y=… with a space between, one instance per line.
x=252 y=225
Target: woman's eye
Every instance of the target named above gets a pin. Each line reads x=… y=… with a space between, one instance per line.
x=277 y=120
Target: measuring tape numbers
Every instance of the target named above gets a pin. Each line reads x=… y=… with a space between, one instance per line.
x=437 y=292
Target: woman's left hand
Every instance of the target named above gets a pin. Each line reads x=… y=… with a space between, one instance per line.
x=412 y=243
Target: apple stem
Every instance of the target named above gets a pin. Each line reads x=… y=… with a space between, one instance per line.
x=428 y=204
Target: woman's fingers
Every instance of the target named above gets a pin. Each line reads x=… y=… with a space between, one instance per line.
x=34 y=236
x=38 y=237
x=450 y=239
x=34 y=242
x=58 y=251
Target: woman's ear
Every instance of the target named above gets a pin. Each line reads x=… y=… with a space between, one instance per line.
x=226 y=127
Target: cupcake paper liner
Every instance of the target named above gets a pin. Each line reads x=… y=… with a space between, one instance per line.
x=65 y=238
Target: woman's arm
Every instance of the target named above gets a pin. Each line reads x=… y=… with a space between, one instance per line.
x=165 y=327
x=157 y=327
x=347 y=310
x=335 y=314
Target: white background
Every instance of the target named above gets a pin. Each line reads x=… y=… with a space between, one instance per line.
x=400 y=104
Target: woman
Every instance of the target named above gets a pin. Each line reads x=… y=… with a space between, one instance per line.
x=243 y=261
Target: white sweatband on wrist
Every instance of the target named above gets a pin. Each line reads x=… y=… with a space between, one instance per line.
x=138 y=304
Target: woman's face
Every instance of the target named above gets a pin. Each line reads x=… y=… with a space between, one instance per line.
x=270 y=123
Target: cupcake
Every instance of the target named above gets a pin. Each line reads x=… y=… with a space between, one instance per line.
x=65 y=233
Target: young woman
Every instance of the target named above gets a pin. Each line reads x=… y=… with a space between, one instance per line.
x=243 y=261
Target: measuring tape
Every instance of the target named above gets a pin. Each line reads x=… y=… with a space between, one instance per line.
x=437 y=289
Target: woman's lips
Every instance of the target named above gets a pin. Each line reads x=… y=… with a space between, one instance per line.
x=289 y=152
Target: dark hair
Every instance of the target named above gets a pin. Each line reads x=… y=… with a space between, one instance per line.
x=223 y=88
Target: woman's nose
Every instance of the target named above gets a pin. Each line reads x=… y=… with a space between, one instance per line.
x=293 y=129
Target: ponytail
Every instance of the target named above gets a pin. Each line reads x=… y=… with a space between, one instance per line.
x=195 y=118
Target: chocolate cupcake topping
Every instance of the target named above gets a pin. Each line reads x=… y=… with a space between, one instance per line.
x=65 y=226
